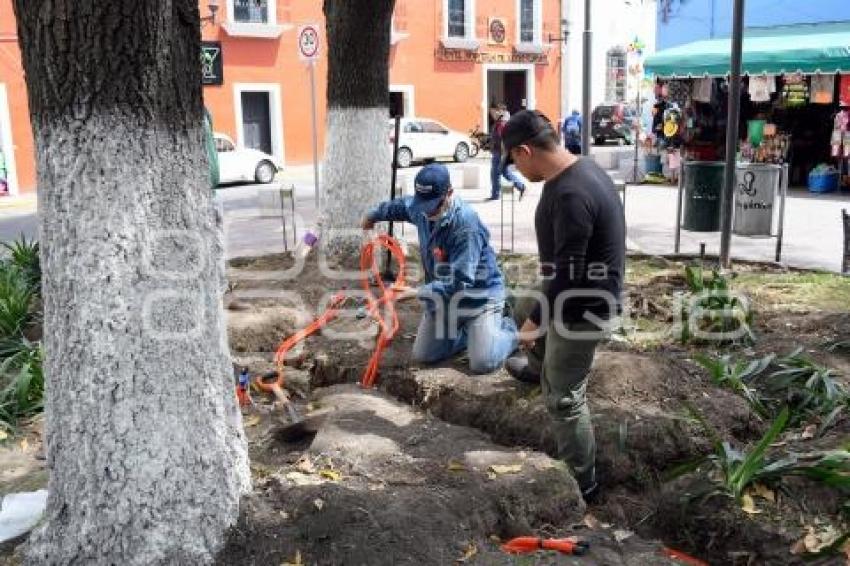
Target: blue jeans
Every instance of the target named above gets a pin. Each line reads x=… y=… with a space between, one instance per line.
x=489 y=338
x=496 y=172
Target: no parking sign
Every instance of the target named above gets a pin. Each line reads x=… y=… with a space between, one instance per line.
x=308 y=42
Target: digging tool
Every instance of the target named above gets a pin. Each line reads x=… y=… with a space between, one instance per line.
x=527 y=545
x=273 y=382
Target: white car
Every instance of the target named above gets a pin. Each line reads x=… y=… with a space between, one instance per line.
x=243 y=164
x=422 y=138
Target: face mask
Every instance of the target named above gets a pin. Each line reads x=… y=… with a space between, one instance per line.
x=441 y=212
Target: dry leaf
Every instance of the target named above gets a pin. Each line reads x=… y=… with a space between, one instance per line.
x=470 y=551
x=24 y=445
x=495 y=539
x=748 y=505
x=304 y=465
x=592 y=522
x=3 y=434
x=331 y=475
x=253 y=420
x=621 y=535
x=318 y=503
x=809 y=432
x=811 y=541
x=295 y=561
x=456 y=467
x=501 y=470
x=761 y=490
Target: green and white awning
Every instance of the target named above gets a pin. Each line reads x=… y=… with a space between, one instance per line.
x=807 y=48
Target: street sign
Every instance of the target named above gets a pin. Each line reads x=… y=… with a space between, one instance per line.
x=308 y=42
x=212 y=64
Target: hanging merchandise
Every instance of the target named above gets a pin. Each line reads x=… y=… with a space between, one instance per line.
x=844 y=91
x=761 y=87
x=823 y=87
x=841 y=135
x=796 y=91
x=702 y=89
x=678 y=92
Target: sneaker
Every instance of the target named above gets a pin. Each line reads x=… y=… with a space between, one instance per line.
x=518 y=368
x=521 y=189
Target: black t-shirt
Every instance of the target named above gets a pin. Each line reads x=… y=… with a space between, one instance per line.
x=581 y=240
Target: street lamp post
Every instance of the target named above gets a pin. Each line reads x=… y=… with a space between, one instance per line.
x=586 y=87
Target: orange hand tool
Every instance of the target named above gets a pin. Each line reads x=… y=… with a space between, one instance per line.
x=527 y=545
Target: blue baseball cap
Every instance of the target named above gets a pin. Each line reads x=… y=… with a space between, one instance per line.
x=432 y=185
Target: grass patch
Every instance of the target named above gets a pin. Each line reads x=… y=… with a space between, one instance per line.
x=816 y=290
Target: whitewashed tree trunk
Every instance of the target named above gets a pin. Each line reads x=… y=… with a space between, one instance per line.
x=146 y=455
x=357 y=152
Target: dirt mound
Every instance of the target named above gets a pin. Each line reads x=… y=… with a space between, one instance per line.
x=260 y=330
x=399 y=487
x=638 y=405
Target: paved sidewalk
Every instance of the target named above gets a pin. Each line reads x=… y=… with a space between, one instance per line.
x=813 y=229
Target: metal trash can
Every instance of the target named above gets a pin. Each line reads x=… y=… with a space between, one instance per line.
x=756 y=189
x=703 y=186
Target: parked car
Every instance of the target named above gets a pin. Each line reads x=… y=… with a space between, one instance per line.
x=423 y=139
x=243 y=164
x=613 y=121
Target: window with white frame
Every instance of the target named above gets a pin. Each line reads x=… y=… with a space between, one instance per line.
x=526 y=21
x=529 y=17
x=251 y=12
x=457 y=18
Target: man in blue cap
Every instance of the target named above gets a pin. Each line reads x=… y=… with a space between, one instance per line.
x=464 y=292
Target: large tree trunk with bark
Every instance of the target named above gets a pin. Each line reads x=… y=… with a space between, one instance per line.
x=146 y=455
x=357 y=153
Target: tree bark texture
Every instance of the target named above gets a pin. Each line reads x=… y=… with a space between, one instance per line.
x=145 y=447
x=357 y=153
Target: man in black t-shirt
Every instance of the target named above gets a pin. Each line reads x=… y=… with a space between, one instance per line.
x=581 y=241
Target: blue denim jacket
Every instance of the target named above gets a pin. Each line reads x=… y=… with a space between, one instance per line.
x=467 y=263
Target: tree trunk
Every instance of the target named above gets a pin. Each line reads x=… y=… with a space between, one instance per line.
x=144 y=441
x=357 y=153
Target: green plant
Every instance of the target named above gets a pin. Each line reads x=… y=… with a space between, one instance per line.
x=23 y=394
x=809 y=388
x=736 y=375
x=739 y=470
x=713 y=309
x=25 y=255
x=16 y=298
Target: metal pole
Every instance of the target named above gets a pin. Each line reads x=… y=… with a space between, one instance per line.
x=678 y=241
x=636 y=140
x=731 y=136
x=586 y=87
x=781 y=228
x=388 y=274
x=312 y=66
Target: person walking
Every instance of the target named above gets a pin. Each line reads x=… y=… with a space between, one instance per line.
x=497 y=168
x=572 y=132
x=580 y=230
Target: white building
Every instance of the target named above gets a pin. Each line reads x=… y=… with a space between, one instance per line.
x=615 y=24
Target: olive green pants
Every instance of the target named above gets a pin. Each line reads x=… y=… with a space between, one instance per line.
x=563 y=360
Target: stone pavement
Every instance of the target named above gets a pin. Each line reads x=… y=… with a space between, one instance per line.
x=813 y=229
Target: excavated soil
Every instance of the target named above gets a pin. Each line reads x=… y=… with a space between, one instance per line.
x=640 y=397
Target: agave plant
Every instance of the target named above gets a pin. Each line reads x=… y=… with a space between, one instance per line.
x=737 y=375
x=16 y=299
x=25 y=255
x=713 y=309
x=23 y=394
x=809 y=387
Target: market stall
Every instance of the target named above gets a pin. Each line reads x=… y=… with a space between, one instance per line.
x=795 y=106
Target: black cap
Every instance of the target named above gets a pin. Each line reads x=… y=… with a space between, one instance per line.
x=524 y=126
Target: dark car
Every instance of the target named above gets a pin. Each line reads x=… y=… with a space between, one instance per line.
x=614 y=121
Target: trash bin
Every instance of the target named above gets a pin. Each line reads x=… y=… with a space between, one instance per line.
x=703 y=186
x=756 y=188
x=652 y=163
